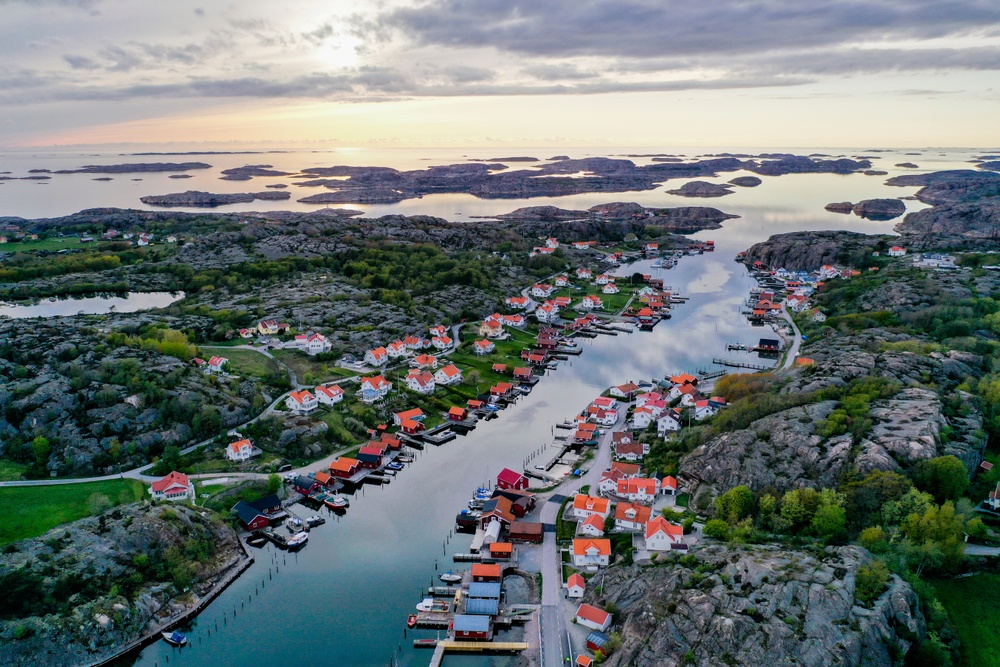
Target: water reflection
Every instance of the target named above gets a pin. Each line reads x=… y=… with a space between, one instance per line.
x=94 y=305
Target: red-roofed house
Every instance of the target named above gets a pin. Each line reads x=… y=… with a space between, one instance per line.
x=421 y=382
x=301 y=402
x=593 y=618
x=619 y=470
x=629 y=516
x=397 y=349
x=637 y=489
x=631 y=451
x=668 y=485
x=518 y=302
x=441 y=342
x=377 y=357
x=585 y=506
x=329 y=395
x=542 y=290
x=483 y=347
x=344 y=467
x=896 y=251
x=591 y=553
x=661 y=535
x=576 y=585
x=448 y=375
x=424 y=361
x=510 y=479
x=215 y=364
x=241 y=450
x=624 y=390
x=374 y=388
x=175 y=486
x=592 y=526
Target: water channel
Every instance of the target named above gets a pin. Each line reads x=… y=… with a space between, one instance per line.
x=90 y=305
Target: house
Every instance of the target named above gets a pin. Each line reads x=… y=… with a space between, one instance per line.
x=523 y=374
x=312 y=344
x=329 y=395
x=268 y=327
x=487 y=572
x=250 y=517
x=797 y=303
x=457 y=414
x=501 y=551
x=585 y=505
x=215 y=364
x=397 y=349
x=526 y=531
x=483 y=347
x=680 y=390
x=373 y=389
x=576 y=585
x=241 y=450
x=610 y=288
x=668 y=485
x=370 y=456
x=247 y=333
x=377 y=357
x=421 y=382
x=817 y=315
x=174 y=487
x=551 y=243
x=501 y=389
x=668 y=423
x=602 y=416
x=896 y=251
x=629 y=516
x=593 y=618
x=542 y=290
x=652 y=247
x=472 y=627
x=492 y=327
x=631 y=451
x=993 y=501
x=424 y=361
x=592 y=526
x=605 y=403
x=448 y=375
x=547 y=312
x=441 y=342
x=661 y=535
x=642 y=417
x=583 y=274
x=562 y=301
x=414 y=343
x=583 y=661
x=626 y=390
x=618 y=471
x=301 y=402
x=510 y=479
x=603 y=279
x=562 y=280
x=637 y=489
x=517 y=302
x=415 y=414
x=596 y=641
x=438 y=330
x=590 y=303
x=306 y=485
x=516 y=321
x=344 y=467
x=705 y=408
x=591 y=553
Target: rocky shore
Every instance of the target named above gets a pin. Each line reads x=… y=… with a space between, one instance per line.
x=211 y=200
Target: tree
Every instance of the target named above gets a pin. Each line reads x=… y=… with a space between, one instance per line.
x=716 y=528
x=41 y=447
x=934 y=538
x=864 y=498
x=828 y=521
x=273 y=483
x=735 y=504
x=870 y=582
x=944 y=477
x=912 y=502
x=874 y=539
x=767 y=506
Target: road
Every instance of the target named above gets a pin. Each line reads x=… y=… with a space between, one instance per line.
x=793 y=351
x=554 y=637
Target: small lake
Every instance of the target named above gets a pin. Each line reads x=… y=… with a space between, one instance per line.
x=91 y=305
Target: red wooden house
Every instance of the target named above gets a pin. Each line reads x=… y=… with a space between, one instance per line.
x=510 y=479
x=487 y=572
x=457 y=414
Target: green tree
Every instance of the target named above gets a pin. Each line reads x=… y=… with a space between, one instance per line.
x=874 y=539
x=98 y=502
x=870 y=582
x=273 y=483
x=828 y=521
x=735 y=504
x=944 y=477
x=864 y=498
x=716 y=528
x=912 y=502
x=766 y=511
x=934 y=539
x=42 y=449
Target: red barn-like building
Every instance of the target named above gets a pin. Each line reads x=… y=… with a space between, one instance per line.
x=509 y=479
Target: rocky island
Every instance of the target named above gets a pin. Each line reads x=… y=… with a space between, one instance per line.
x=211 y=199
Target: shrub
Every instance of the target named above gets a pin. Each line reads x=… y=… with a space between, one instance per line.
x=870 y=582
x=716 y=528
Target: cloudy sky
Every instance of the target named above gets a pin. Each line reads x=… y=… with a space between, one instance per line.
x=502 y=72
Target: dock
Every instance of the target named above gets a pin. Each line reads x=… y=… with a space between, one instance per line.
x=472 y=647
x=443 y=591
x=741 y=364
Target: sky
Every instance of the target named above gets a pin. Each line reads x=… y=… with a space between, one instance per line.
x=827 y=73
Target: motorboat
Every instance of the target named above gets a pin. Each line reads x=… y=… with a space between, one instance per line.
x=294 y=525
x=338 y=502
x=395 y=465
x=450 y=577
x=426 y=604
x=297 y=540
x=174 y=638
x=411 y=621
x=314 y=521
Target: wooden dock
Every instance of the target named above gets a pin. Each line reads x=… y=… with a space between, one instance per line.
x=741 y=364
x=474 y=647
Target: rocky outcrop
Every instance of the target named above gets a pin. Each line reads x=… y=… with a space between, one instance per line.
x=746 y=181
x=247 y=172
x=543 y=214
x=840 y=207
x=759 y=605
x=102 y=557
x=807 y=251
x=907 y=165
x=879 y=209
x=133 y=168
x=702 y=189
x=210 y=199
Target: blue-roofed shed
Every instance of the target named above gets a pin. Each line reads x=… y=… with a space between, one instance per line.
x=489 y=591
x=472 y=627
x=482 y=607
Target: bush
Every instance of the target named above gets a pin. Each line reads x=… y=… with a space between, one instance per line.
x=870 y=582
x=716 y=528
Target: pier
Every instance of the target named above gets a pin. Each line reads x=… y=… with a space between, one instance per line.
x=741 y=364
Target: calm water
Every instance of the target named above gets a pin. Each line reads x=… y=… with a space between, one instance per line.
x=94 y=305
x=344 y=599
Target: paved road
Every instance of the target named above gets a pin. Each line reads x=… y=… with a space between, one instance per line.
x=793 y=351
x=981 y=550
x=554 y=639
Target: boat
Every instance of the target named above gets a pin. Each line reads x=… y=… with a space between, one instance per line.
x=411 y=621
x=426 y=604
x=482 y=493
x=395 y=465
x=338 y=502
x=404 y=458
x=294 y=525
x=297 y=540
x=450 y=577
x=174 y=638
x=316 y=520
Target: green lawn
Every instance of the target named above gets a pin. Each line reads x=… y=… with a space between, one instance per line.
x=30 y=511
x=971 y=603
x=41 y=244
x=308 y=370
x=10 y=471
x=249 y=362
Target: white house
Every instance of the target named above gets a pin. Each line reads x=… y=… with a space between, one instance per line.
x=551 y=243
x=547 y=312
x=591 y=553
x=624 y=390
x=896 y=251
x=174 y=487
x=642 y=417
x=330 y=395
x=562 y=281
x=483 y=347
x=637 y=489
x=583 y=274
x=668 y=485
x=590 y=303
x=668 y=423
x=610 y=288
x=618 y=471
x=629 y=516
x=661 y=535
x=241 y=450
x=576 y=585
x=603 y=279
x=374 y=388
x=301 y=402
x=592 y=526
x=542 y=290
x=593 y=618
x=518 y=302
x=441 y=342
x=397 y=349
x=215 y=364
x=377 y=357
x=585 y=506
x=448 y=375
x=421 y=382
x=516 y=321
x=439 y=330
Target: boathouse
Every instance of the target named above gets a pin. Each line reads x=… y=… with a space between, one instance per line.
x=250 y=518
x=370 y=457
x=509 y=479
x=344 y=467
x=487 y=572
x=472 y=628
x=457 y=414
x=769 y=345
x=306 y=485
x=484 y=590
x=482 y=607
x=501 y=550
x=526 y=531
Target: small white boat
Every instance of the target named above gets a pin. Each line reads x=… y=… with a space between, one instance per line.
x=426 y=604
x=174 y=638
x=339 y=502
x=450 y=577
x=297 y=540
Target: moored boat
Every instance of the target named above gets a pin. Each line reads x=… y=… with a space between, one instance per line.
x=174 y=638
x=450 y=577
x=411 y=621
x=338 y=502
x=314 y=521
x=297 y=540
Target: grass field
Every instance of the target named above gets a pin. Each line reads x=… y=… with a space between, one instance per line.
x=971 y=603
x=42 y=244
x=30 y=511
x=10 y=471
x=308 y=370
x=249 y=362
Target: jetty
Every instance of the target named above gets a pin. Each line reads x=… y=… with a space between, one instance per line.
x=443 y=646
x=741 y=364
